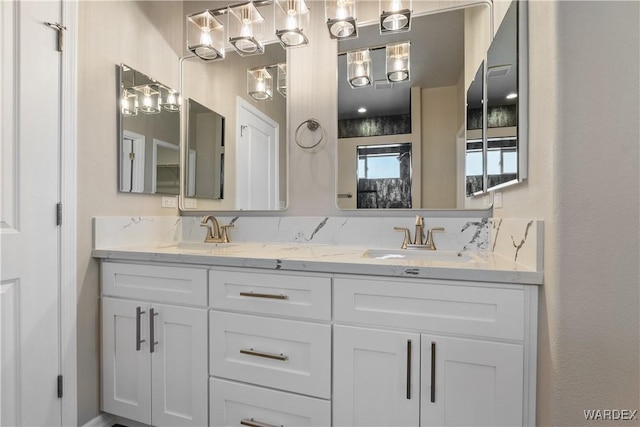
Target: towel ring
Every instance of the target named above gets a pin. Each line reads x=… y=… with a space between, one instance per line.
x=313 y=125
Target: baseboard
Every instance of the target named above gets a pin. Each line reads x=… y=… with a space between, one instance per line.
x=102 y=420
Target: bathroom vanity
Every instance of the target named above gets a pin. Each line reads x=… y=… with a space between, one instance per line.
x=265 y=333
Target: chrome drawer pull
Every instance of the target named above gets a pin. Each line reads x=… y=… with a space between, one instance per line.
x=253 y=423
x=270 y=296
x=252 y=352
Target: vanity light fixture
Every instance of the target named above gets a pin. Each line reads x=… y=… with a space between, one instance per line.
x=259 y=84
x=170 y=100
x=205 y=36
x=129 y=102
x=281 y=85
x=291 y=17
x=359 y=68
x=150 y=103
x=341 y=18
x=395 y=16
x=246 y=29
x=398 y=61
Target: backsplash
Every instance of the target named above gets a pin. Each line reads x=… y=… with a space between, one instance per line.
x=517 y=239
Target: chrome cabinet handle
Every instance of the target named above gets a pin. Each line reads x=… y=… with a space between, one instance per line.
x=269 y=296
x=252 y=352
x=253 y=423
x=139 y=313
x=408 y=369
x=433 y=372
x=152 y=334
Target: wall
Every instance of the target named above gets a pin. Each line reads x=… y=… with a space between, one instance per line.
x=148 y=37
x=583 y=181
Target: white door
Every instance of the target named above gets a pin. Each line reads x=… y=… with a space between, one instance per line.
x=476 y=383
x=179 y=366
x=126 y=359
x=257 y=159
x=29 y=236
x=376 y=377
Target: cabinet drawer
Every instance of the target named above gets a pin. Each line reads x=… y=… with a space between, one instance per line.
x=283 y=354
x=231 y=404
x=431 y=306
x=271 y=293
x=175 y=285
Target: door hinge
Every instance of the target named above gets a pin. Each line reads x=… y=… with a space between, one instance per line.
x=59 y=214
x=59 y=386
x=60 y=29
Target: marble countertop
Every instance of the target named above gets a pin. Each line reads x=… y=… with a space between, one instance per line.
x=482 y=266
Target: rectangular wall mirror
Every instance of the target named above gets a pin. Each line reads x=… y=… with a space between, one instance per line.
x=246 y=164
x=148 y=134
x=438 y=111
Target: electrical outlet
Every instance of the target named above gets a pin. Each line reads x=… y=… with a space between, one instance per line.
x=191 y=203
x=497 y=200
x=169 y=202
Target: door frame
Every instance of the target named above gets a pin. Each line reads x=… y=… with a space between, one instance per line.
x=68 y=229
x=242 y=104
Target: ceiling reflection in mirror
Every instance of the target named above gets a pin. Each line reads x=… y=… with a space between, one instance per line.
x=249 y=172
x=425 y=114
x=149 y=134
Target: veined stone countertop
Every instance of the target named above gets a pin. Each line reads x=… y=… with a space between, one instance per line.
x=484 y=266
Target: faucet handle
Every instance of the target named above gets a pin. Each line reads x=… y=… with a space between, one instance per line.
x=224 y=234
x=430 y=243
x=407 y=236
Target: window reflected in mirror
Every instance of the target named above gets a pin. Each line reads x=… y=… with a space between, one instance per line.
x=384 y=176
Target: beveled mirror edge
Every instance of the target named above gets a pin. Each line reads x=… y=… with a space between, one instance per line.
x=484 y=197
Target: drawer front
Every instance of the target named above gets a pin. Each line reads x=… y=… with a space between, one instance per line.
x=306 y=297
x=283 y=354
x=233 y=404
x=431 y=306
x=174 y=285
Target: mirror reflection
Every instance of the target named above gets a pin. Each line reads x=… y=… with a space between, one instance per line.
x=418 y=123
x=205 y=157
x=502 y=103
x=474 y=156
x=149 y=134
x=247 y=171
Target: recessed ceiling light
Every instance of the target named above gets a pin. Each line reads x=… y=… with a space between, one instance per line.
x=362 y=110
x=512 y=96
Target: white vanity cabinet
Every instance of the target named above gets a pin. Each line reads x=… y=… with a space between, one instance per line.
x=154 y=344
x=433 y=353
x=270 y=348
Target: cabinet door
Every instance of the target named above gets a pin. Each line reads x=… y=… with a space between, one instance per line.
x=376 y=377
x=126 y=367
x=179 y=366
x=471 y=382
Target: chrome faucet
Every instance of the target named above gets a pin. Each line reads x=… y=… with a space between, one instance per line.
x=215 y=233
x=418 y=238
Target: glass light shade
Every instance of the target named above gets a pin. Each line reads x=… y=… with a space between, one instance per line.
x=359 y=68
x=148 y=99
x=246 y=29
x=259 y=84
x=129 y=102
x=398 y=61
x=281 y=85
x=170 y=100
x=395 y=16
x=341 y=18
x=291 y=18
x=205 y=36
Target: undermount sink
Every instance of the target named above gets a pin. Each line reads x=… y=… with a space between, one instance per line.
x=419 y=254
